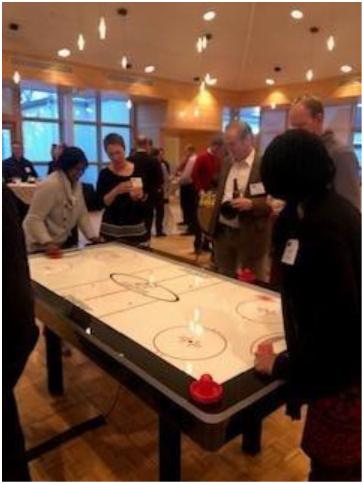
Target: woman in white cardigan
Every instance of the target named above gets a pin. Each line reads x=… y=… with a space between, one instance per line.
x=58 y=206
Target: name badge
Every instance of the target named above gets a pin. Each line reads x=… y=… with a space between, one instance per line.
x=290 y=252
x=136 y=182
x=27 y=169
x=257 y=189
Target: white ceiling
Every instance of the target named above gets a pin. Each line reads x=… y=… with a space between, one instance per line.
x=249 y=39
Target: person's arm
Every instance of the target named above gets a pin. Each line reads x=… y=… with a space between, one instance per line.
x=346 y=177
x=84 y=220
x=186 y=176
x=257 y=207
x=43 y=201
x=34 y=171
x=106 y=194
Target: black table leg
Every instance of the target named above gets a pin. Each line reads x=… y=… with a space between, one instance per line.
x=169 y=450
x=53 y=346
x=251 y=440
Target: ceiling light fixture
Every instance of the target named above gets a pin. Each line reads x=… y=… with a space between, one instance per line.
x=149 y=69
x=330 y=43
x=102 y=28
x=270 y=82
x=124 y=62
x=204 y=42
x=346 y=69
x=209 y=80
x=309 y=75
x=129 y=104
x=81 y=42
x=64 y=53
x=199 y=45
x=208 y=16
x=297 y=14
x=16 y=77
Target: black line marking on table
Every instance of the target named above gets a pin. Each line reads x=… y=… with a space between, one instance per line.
x=145 y=288
x=249 y=319
x=189 y=340
x=152 y=302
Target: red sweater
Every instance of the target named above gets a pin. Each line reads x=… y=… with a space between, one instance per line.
x=205 y=171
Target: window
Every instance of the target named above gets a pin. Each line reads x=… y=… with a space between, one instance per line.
x=40 y=120
x=250 y=115
x=114 y=109
x=85 y=137
x=39 y=102
x=84 y=106
x=6 y=143
x=357 y=133
x=115 y=117
x=37 y=139
x=94 y=116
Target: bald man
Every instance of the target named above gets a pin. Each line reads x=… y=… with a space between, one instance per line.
x=308 y=113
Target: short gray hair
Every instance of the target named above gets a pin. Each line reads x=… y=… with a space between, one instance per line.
x=242 y=127
x=312 y=103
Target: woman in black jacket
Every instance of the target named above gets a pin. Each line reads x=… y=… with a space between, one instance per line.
x=317 y=246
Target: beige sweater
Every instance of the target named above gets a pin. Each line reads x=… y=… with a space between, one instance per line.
x=56 y=208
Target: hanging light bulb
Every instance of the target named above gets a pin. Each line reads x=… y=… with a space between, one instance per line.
x=209 y=80
x=129 y=104
x=102 y=28
x=202 y=86
x=199 y=45
x=309 y=75
x=81 y=42
x=16 y=77
x=330 y=43
x=124 y=62
x=204 y=42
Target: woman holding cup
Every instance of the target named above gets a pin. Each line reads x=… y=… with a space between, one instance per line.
x=120 y=189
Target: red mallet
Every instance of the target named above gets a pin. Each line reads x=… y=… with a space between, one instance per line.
x=206 y=390
x=55 y=253
x=265 y=349
x=246 y=275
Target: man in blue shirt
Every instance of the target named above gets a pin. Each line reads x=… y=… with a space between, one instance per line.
x=17 y=166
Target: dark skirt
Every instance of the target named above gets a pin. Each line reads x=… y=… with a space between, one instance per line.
x=332 y=433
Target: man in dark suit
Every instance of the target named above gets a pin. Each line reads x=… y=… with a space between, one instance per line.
x=240 y=224
x=17 y=166
x=153 y=177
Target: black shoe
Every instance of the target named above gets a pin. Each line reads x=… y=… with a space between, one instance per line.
x=161 y=234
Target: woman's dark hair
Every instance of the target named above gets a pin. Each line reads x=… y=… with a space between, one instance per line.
x=70 y=157
x=296 y=165
x=113 y=138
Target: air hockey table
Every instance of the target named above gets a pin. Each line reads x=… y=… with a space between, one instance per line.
x=157 y=325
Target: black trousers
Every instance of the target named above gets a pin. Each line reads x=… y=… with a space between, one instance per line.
x=159 y=208
x=15 y=467
x=184 y=202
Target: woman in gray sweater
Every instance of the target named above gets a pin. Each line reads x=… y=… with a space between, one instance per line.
x=58 y=206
